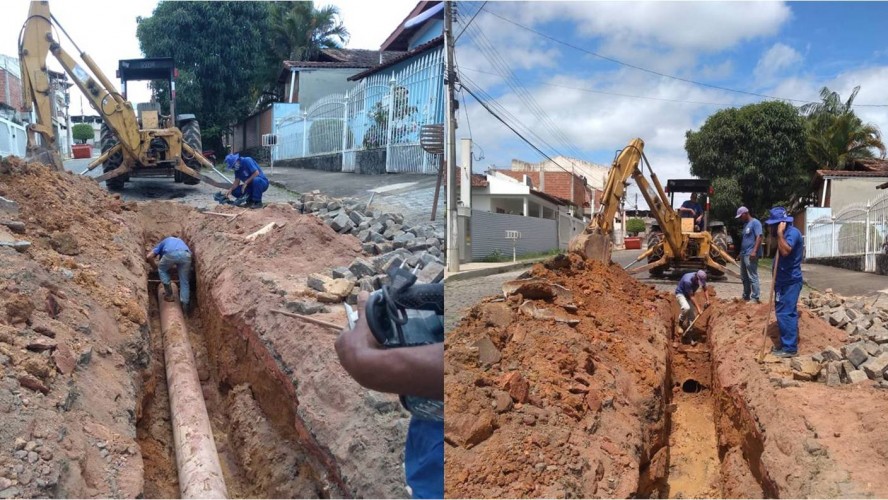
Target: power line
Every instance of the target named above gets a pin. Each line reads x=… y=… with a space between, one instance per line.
x=616 y=94
x=664 y=75
x=499 y=63
x=470 y=21
x=482 y=103
x=510 y=127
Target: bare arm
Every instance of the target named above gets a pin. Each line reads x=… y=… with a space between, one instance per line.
x=150 y=255
x=414 y=371
x=233 y=187
x=755 y=248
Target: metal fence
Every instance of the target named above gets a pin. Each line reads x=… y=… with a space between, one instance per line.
x=13 y=139
x=860 y=229
x=384 y=111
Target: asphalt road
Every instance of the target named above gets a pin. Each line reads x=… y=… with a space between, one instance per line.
x=200 y=196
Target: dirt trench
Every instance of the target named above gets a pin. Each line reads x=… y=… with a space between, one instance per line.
x=82 y=390
x=579 y=386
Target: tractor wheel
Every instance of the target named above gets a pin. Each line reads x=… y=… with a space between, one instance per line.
x=191 y=136
x=654 y=240
x=108 y=140
x=719 y=240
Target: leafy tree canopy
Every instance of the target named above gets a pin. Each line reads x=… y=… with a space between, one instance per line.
x=215 y=46
x=835 y=135
x=752 y=155
x=82 y=132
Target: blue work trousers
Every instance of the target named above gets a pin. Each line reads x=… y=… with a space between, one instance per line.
x=257 y=186
x=750 y=275
x=787 y=308
x=424 y=458
x=181 y=259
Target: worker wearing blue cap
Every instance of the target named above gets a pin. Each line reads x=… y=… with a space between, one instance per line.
x=787 y=280
x=249 y=179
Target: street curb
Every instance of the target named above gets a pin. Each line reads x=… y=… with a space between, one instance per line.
x=490 y=271
x=283 y=186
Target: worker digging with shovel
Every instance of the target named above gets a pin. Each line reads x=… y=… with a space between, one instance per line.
x=687 y=293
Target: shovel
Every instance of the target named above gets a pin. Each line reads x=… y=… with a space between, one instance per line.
x=772 y=305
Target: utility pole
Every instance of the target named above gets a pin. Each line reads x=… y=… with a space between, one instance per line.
x=450 y=143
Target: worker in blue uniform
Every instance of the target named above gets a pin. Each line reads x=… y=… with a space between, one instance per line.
x=249 y=179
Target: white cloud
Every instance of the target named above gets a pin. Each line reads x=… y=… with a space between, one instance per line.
x=366 y=26
x=780 y=57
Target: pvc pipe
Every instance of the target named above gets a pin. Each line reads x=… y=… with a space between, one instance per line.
x=200 y=475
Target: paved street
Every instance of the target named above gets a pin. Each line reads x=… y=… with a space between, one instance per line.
x=463 y=294
x=200 y=196
x=407 y=194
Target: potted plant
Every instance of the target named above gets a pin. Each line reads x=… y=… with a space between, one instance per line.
x=82 y=132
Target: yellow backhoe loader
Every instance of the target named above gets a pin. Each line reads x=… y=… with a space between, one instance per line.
x=148 y=146
x=678 y=247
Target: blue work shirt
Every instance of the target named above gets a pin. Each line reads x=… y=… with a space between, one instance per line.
x=698 y=210
x=246 y=169
x=170 y=244
x=424 y=458
x=789 y=268
x=751 y=231
x=688 y=284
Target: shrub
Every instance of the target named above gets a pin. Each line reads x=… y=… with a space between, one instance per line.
x=83 y=132
x=635 y=226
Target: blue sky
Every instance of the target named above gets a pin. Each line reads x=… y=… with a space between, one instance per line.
x=788 y=50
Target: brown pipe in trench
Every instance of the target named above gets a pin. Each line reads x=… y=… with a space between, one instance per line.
x=200 y=475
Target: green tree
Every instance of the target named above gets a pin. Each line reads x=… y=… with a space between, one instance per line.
x=215 y=46
x=752 y=154
x=635 y=226
x=298 y=31
x=83 y=132
x=835 y=135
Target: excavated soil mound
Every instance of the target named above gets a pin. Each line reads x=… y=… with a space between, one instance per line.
x=73 y=337
x=559 y=392
x=800 y=439
x=350 y=438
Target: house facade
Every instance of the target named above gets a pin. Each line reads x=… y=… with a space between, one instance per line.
x=374 y=126
x=592 y=175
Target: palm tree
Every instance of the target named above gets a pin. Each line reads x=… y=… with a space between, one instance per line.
x=298 y=31
x=835 y=135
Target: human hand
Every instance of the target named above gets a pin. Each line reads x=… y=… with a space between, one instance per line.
x=356 y=341
x=780 y=228
x=753 y=256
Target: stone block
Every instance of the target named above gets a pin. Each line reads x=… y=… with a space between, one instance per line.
x=343 y=272
x=431 y=273
x=838 y=318
x=875 y=367
x=856 y=354
x=832 y=354
x=361 y=267
x=341 y=222
x=857 y=376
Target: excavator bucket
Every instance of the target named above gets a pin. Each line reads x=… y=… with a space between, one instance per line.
x=592 y=246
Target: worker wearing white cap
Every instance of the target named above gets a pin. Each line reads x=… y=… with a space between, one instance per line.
x=750 y=251
x=687 y=291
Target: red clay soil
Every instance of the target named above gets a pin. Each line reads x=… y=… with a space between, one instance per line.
x=801 y=441
x=539 y=408
x=73 y=338
x=352 y=439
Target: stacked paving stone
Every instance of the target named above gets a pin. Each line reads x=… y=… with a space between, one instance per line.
x=863 y=359
x=387 y=243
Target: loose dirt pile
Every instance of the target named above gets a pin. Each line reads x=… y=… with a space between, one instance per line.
x=559 y=392
x=800 y=439
x=73 y=338
x=352 y=438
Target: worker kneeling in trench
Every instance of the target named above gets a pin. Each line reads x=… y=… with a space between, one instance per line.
x=174 y=252
x=408 y=371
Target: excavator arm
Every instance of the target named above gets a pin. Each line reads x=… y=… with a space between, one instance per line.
x=595 y=241
x=35 y=42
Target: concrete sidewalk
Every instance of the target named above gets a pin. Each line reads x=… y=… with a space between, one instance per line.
x=479 y=269
x=409 y=194
x=843 y=281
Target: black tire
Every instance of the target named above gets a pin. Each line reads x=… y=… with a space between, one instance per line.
x=108 y=140
x=719 y=240
x=191 y=136
x=653 y=240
